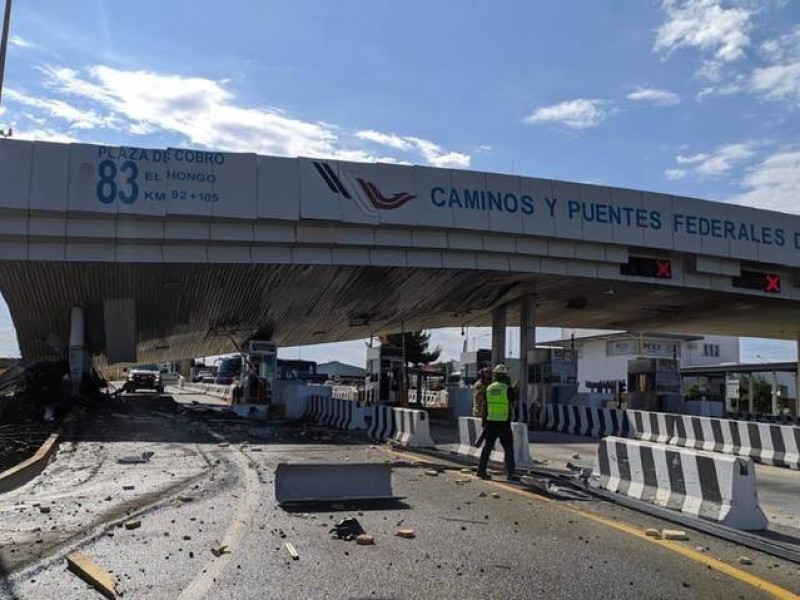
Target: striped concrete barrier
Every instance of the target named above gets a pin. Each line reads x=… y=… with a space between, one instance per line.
x=650 y=426
x=766 y=443
x=521 y=412
x=336 y=412
x=585 y=420
x=764 y=418
x=405 y=426
x=711 y=486
x=470 y=428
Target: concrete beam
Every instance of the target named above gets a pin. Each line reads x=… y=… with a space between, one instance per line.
x=498 y=335
x=119 y=317
x=527 y=342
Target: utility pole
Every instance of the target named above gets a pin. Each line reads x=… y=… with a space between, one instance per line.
x=4 y=46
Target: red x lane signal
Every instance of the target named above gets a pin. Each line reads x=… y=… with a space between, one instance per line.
x=664 y=269
x=772 y=283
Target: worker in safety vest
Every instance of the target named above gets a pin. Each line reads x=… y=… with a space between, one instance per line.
x=496 y=419
x=479 y=392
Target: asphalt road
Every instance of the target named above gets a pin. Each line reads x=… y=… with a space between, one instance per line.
x=210 y=484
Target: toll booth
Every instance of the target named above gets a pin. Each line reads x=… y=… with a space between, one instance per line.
x=385 y=373
x=654 y=384
x=552 y=375
x=473 y=362
x=259 y=369
x=606 y=393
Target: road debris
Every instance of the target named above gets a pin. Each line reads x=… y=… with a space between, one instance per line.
x=132 y=460
x=674 y=534
x=495 y=495
x=365 y=540
x=220 y=550
x=224 y=444
x=432 y=472
x=347 y=529
x=291 y=550
x=44 y=509
x=133 y=524
x=128 y=488
x=88 y=570
x=185 y=499
x=406 y=533
x=745 y=560
x=576 y=456
x=654 y=533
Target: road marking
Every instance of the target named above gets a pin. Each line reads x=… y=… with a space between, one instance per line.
x=744 y=576
x=240 y=525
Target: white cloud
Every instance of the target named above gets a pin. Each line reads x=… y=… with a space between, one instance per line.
x=720 y=161
x=206 y=113
x=655 y=96
x=75 y=117
x=384 y=139
x=706 y=25
x=431 y=152
x=780 y=80
x=44 y=134
x=675 y=174
x=19 y=42
x=581 y=113
x=774 y=183
x=784 y=48
x=434 y=155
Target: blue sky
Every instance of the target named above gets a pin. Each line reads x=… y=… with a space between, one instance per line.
x=692 y=97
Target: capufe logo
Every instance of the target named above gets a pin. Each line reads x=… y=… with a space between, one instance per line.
x=366 y=194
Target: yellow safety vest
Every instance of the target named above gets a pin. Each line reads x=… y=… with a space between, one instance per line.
x=497 y=402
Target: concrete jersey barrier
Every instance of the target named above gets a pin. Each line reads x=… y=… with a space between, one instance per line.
x=585 y=420
x=336 y=412
x=711 y=486
x=405 y=426
x=469 y=428
x=766 y=443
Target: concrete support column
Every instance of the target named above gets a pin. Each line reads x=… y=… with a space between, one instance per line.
x=498 y=335
x=797 y=382
x=750 y=393
x=774 y=393
x=527 y=342
x=77 y=347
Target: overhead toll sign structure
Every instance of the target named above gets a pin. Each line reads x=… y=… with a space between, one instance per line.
x=173 y=253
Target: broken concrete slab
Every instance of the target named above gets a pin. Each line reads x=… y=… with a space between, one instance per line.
x=132 y=460
x=674 y=534
x=365 y=539
x=292 y=551
x=92 y=573
x=406 y=533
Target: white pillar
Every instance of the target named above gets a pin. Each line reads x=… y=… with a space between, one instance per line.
x=77 y=352
x=527 y=342
x=774 y=393
x=797 y=382
x=498 y=335
x=750 y=393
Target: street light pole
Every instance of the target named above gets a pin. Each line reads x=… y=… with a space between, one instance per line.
x=4 y=46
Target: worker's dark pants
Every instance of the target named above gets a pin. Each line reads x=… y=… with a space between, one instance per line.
x=498 y=430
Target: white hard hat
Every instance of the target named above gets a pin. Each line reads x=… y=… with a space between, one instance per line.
x=501 y=369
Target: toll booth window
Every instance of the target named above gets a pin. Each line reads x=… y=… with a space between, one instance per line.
x=641 y=266
x=711 y=350
x=756 y=280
